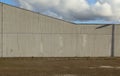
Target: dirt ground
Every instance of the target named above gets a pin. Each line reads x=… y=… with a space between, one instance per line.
x=59 y=66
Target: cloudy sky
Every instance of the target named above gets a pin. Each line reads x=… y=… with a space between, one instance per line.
x=78 y=11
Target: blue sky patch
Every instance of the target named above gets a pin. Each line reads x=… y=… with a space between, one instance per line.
x=91 y=2
x=11 y=2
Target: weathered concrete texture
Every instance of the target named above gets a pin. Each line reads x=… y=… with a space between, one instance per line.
x=1 y=51
x=117 y=41
x=117 y=46
x=0 y=16
x=117 y=30
x=22 y=45
x=20 y=21
x=93 y=45
x=53 y=26
x=0 y=29
x=91 y=29
x=45 y=45
x=27 y=34
x=59 y=45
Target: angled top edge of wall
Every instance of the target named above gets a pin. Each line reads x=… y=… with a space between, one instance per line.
x=81 y=24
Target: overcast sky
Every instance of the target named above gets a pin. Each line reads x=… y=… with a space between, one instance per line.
x=79 y=11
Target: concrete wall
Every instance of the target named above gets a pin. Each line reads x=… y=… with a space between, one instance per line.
x=117 y=41
x=27 y=34
x=92 y=41
x=0 y=29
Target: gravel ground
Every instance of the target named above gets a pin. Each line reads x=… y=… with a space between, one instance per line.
x=59 y=66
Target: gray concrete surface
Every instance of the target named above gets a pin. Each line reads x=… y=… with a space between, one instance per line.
x=0 y=29
x=28 y=34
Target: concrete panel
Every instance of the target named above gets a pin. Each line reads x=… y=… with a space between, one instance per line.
x=93 y=45
x=117 y=40
x=102 y=46
x=20 y=21
x=91 y=29
x=0 y=15
x=117 y=46
x=0 y=29
x=11 y=46
x=69 y=28
x=59 y=45
x=117 y=29
x=1 y=51
x=70 y=43
x=51 y=25
x=85 y=45
x=81 y=44
x=52 y=45
x=31 y=45
x=22 y=45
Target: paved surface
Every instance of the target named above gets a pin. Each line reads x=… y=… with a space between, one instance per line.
x=59 y=66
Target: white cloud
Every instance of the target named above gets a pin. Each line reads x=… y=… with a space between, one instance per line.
x=72 y=10
x=102 y=9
